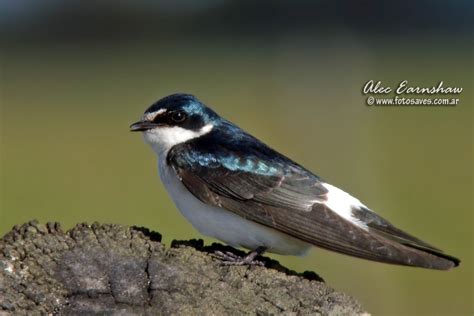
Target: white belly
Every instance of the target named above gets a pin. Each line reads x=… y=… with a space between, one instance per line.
x=224 y=225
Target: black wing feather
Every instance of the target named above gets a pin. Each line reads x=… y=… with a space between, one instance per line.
x=291 y=200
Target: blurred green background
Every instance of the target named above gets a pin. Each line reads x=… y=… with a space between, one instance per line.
x=75 y=75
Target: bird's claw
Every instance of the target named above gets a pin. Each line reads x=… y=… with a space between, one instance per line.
x=231 y=259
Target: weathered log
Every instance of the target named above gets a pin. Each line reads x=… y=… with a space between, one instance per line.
x=113 y=269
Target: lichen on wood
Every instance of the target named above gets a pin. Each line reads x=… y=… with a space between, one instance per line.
x=114 y=269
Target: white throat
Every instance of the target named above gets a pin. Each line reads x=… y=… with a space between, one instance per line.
x=161 y=139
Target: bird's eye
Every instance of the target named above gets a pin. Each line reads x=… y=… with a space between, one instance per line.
x=178 y=116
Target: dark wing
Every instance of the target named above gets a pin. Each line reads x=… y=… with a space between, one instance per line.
x=381 y=226
x=248 y=178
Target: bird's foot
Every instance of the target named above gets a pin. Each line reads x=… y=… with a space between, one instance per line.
x=231 y=259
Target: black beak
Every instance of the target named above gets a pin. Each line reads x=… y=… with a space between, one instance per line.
x=142 y=126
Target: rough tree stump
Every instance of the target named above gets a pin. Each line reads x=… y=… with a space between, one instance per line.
x=119 y=270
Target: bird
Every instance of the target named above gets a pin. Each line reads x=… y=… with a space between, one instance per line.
x=233 y=187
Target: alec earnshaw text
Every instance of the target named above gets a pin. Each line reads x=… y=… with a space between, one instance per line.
x=403 y=87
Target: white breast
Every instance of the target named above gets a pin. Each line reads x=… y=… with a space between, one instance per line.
x=224 y=225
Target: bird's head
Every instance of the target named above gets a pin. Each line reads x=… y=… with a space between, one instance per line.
x=175 y=119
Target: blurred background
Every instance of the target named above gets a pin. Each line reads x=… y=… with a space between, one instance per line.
x=75 y=74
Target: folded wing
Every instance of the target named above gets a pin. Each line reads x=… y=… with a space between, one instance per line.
x=261 y=185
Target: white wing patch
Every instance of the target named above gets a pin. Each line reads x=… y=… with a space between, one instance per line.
x=343 y=203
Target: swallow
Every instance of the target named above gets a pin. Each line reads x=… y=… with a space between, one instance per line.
x=233 y=187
